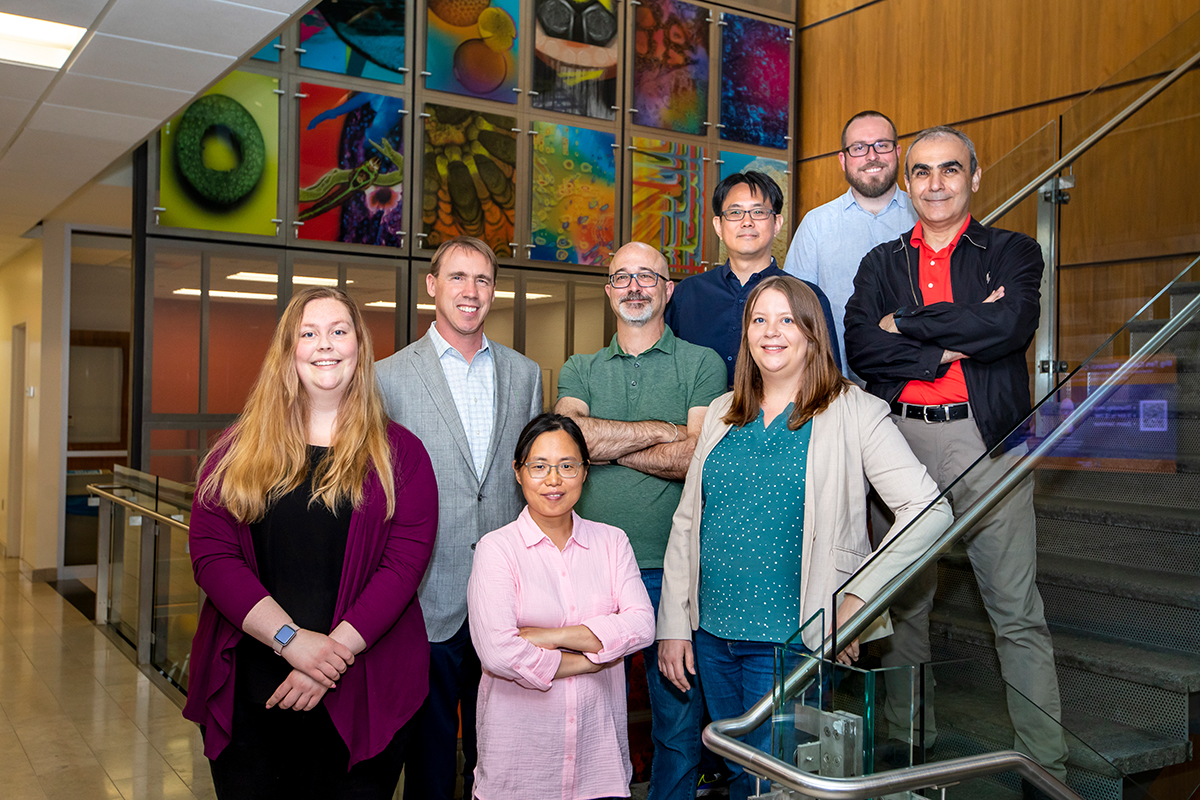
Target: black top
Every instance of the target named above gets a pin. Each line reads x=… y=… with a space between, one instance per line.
x=299 y=549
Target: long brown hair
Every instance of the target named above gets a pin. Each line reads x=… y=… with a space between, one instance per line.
x=265 y=454
x=823 y=381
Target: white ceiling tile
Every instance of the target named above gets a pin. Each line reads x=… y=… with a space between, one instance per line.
x=150 y=64
x=81 y=13
x=24 y=83
x=60 y=159
x=118 y=97
x=97 y=124
x=12 y=114
x=288 y=7
x=207 y=25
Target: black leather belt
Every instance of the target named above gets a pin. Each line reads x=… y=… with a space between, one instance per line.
x=944 y=413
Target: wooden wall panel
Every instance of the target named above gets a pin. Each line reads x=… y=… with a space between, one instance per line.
x=1144 y=165
x=1096 y=299
x=813 y=11
x=927 y=62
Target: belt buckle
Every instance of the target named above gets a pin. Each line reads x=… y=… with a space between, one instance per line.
x=933 y=410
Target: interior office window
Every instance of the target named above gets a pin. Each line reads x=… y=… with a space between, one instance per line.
x=242 y=312
x=175 y=332
x=546 y=332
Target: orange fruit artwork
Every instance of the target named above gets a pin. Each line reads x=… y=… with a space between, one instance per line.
x=459 y=13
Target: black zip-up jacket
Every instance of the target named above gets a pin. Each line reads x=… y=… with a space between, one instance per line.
x=993 y=336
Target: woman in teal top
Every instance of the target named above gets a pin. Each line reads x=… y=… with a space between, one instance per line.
x=773 y=515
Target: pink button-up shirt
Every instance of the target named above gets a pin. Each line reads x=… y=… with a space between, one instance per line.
x=538 y=736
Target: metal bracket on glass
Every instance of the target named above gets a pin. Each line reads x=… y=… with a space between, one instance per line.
x=722 y=21
x=720 y=126
x=277 y=222
x=279 y=92
x=424 y=115
x=515 y=130
x=425 y=73
x=529 y=250
x=706 y=123
x=1059 y=367
x=157 y=210
x=300 y=50
x=532 y=93
x=839 y=738
x=633 y=111
x=719 y=161
x=513 y=246
x=705 y=158
x=1055 y=192
x=296 y=229
x=301 y=95
x=614 y=108
x=279 y=47
x=403 y=235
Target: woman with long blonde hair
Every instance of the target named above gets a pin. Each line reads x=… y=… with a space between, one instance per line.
x=313 y=522
x=773 y=515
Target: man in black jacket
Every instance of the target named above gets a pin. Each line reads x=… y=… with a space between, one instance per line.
x=938 y=325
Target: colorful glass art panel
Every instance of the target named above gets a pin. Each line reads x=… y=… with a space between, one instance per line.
x=670 y=66
x=471 y=48
x=668 y=200
x=219 y=168
x=574 y=194
x=468 y=187
x=362 y=38
x=575 y=53
x=351 y=166
x=268 y=52
x=755 y=81
x=732 y=163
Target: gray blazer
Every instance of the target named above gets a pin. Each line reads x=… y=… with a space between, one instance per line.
x=418 y=397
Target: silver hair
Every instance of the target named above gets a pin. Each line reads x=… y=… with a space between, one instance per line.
x=939 y=131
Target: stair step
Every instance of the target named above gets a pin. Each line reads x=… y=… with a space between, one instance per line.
x=1175 y=495
x=1157 y=538
x=1120 y=580
x=1128 y=684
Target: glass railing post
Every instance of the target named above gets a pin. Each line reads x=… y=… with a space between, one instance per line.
x=1045 y=342
x=145 y=595
x=103 y=557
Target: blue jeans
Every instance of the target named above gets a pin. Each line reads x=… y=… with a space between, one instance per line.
x=736 y=675
x=675 y=720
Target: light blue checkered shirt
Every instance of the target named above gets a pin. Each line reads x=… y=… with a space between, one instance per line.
x=832 y=241
x=473 y=387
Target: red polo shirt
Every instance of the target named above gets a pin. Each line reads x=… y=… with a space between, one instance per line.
x=935 y=288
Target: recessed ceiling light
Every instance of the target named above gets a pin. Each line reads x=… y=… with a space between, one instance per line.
x=24 y=40
x=385 y=304
x=504 y=294
x=269 y=277
x=219 y=293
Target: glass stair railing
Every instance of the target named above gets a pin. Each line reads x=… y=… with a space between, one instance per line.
x=1126 y=632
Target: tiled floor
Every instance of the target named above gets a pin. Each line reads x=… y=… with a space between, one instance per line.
x=78 y=720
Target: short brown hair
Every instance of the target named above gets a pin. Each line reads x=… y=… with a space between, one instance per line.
x=465 y=243
x=823 y=381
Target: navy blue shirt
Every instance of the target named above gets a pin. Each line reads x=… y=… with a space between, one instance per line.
x=706 y=309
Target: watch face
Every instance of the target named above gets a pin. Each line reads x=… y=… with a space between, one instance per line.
x=285 y=635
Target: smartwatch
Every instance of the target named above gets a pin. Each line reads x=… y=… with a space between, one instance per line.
x=284 y=637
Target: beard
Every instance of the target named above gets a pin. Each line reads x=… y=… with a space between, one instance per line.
x=640 y=318
x=876 y=185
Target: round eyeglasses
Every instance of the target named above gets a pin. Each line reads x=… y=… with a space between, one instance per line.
x=756 y=214
x=540 y=470
x=860 y=149
x=619 y=280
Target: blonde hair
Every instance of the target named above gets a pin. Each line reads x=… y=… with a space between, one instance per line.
x=264 y=455
x=823 y=381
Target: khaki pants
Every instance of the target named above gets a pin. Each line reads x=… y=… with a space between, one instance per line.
x=1003 y=552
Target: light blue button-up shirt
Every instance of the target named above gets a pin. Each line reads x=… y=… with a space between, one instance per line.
x=831 y=242
x=473 y=387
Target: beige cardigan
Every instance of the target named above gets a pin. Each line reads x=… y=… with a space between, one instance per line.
x=853 y=441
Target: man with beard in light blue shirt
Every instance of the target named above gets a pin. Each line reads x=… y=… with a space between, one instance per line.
x=833 y=238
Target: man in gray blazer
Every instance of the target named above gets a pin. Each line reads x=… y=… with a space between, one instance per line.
x=467 y=399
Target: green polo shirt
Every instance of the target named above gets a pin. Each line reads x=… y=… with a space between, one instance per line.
x=663 y=383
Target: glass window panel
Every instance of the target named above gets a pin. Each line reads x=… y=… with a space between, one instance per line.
x=374 y=290
x=468 y=186
x=471 y=48
x=364 y=39
x=590 y=305
x=576 y=53
x=574 y=194
x=756 y=73
x=350 y=166
x=668 y=200
x=670 y=66
x=241 y=321
x=175 y=333
x=306 y=272
x=546 y=332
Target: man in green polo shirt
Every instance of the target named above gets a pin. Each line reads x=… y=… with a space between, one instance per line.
x=640 y=403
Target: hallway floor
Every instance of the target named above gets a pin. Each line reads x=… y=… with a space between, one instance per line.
x=78 y=720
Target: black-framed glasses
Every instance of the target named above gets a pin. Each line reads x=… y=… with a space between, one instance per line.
x=567 y=470
x=756 y=214
x=860 y=149
x=619 y=280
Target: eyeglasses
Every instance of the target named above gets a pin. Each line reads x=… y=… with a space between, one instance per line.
x=566 y=470
x=756 y=214
x=619 y=280
x=859 y=149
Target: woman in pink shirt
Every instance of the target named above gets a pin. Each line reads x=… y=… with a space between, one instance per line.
x=555 y=604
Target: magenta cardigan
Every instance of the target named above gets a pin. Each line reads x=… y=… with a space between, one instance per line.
x=385 y=561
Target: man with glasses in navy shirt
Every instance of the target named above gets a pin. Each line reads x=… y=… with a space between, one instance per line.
x=707 y=308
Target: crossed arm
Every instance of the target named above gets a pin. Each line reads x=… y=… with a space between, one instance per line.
x=652 y=446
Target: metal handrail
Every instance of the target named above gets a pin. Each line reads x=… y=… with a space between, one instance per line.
x=102 y=491
x=1090 y=141
x=718 y=736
